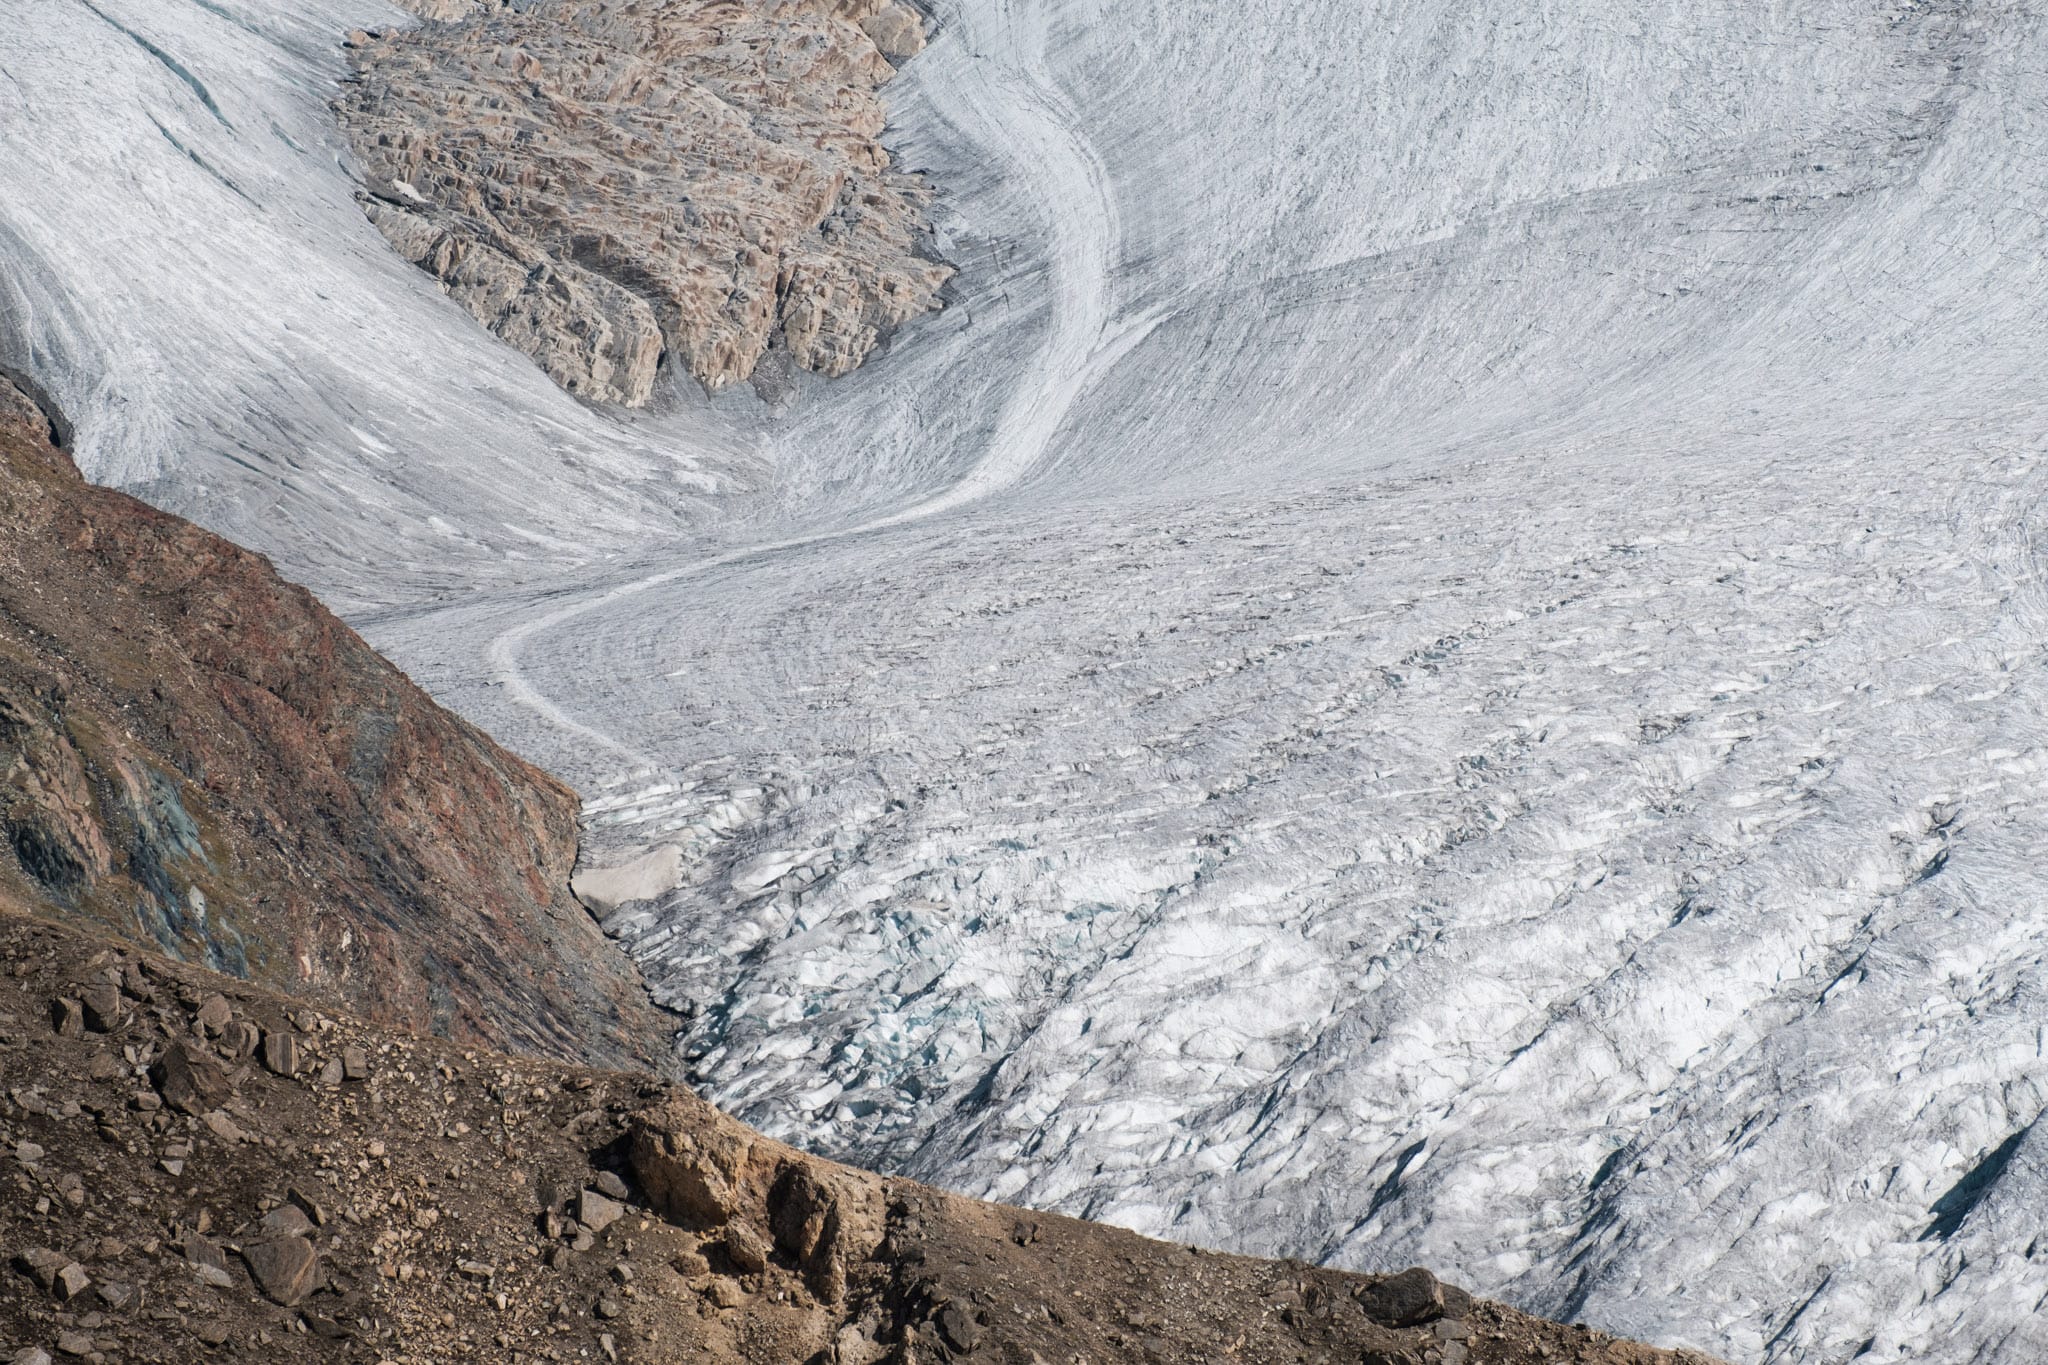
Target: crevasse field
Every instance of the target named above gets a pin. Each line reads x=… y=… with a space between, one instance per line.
x=1442 y=656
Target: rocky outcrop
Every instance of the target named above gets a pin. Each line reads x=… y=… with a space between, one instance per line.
x=198 y=756
x=607 y=182
x=411 y=1200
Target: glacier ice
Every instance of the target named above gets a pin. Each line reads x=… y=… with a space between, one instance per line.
x=1440 y=657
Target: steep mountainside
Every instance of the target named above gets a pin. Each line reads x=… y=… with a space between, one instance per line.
x=605 y=184
x=195 y=757
x=198 y=756
x=1436 y=659
x=204 y=1171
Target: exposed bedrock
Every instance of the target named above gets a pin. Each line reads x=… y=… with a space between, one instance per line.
x=198 y=756
x=606 y=184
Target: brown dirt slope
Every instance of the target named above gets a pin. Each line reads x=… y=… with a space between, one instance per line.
x=198 y=756
x=200 y=1170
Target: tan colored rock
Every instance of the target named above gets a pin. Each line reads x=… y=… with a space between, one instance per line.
x=895 y=30
x=214 y=1015
x=439 y=9
x=203 y=1250
x=226 y=1129
x=308 y=1205
x=605 y=184
x=596 y=1212
x=287 y=1220
x=744 y=1248
x=827 y=1218
x=71 y=1281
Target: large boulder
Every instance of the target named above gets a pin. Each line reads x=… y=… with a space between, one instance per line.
x=703 y=1171
x=190 y=1080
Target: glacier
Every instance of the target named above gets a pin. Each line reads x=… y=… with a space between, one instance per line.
x=1440 y=656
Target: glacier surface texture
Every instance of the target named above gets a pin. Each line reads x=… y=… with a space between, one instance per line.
x=1441 y=656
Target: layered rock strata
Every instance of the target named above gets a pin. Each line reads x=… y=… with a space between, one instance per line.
x=198 y=756
x=608 y=183
x=205 y=1171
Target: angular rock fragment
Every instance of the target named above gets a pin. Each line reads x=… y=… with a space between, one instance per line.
x=1408 y=1299
x=746 y=1251
x=958 y=1327
x=287 y=1220
x=71 y=1281
x=41 y=1265
x=894 y=28
x=190 y=1080
x=597 y=1212
x=828 y=1222
x=103 y=1008
x=281 y=1052
x=285 y=1267
x=309 y=1205
x=67 y=1017
x=214 y=1014
x=203 y=1250
x=241 y=1039
x=320 y=1325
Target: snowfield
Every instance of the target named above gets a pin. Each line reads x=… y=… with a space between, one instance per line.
x=1442 y=657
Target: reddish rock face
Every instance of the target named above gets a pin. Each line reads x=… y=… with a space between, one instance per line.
x=675 y=1233
x=199 y=756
